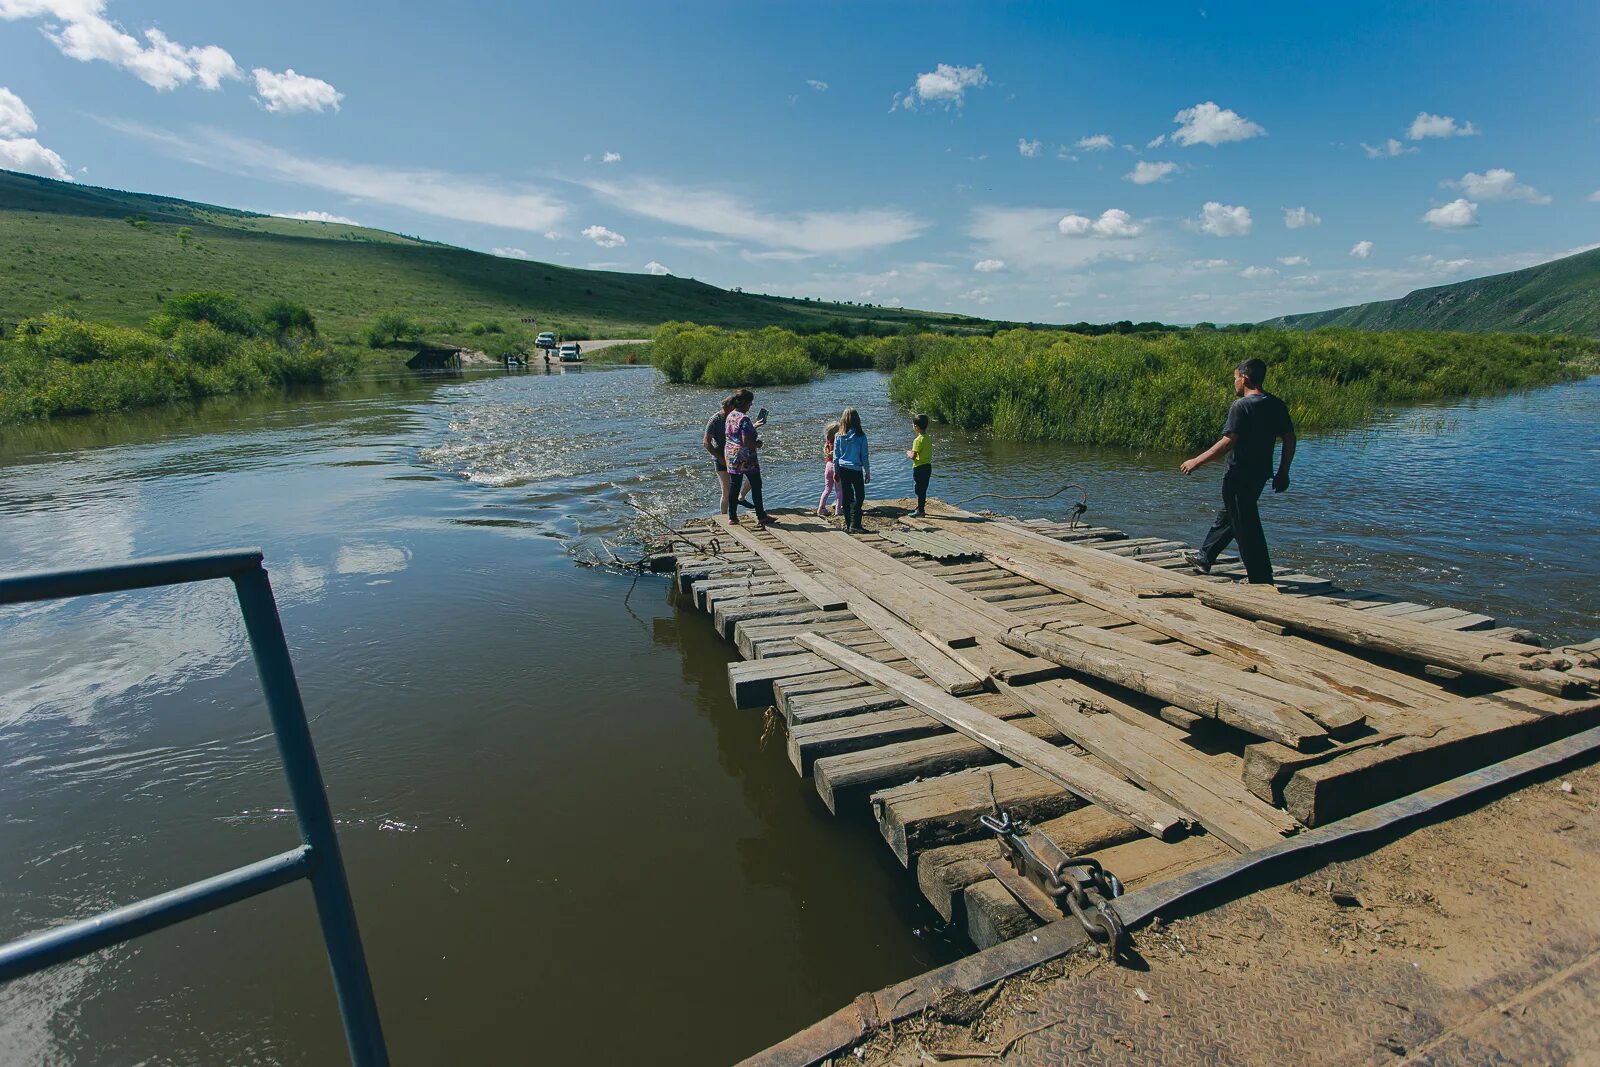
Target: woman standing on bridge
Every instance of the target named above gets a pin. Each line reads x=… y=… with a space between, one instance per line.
x=744 y=462
x=852 y=465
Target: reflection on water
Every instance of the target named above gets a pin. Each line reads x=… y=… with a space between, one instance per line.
x=548 y=805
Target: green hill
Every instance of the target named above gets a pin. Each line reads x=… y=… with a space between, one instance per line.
x=1562 y=296
x=114 y=256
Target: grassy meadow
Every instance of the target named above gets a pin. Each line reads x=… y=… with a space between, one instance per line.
x=113 y=257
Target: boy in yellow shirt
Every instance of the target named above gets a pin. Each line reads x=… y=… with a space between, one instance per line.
x=921 y=456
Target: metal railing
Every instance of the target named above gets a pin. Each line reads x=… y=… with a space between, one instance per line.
x=317 y=859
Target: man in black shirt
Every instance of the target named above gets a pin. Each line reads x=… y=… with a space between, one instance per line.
x=1255 y=422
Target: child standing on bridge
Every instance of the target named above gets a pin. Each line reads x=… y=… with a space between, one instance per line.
x=830 y=485
x=921 y=456
x=852 y=465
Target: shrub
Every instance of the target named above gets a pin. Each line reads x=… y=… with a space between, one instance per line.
x=284 y=317
x=222 y=310
x=390 y=327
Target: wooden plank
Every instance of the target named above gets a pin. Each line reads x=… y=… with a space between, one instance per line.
x=814 y=589
x=1148 y=813
x=942 y=873
x=1296 y=662
x=1166 y=769
x=940 y=668
x=843 y=778
x=939 y=811
x=1245 y=711
x=812 y=741
x=1327 y=791
x=1463 y=650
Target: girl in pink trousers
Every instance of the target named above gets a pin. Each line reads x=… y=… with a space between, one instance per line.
x=830 y=488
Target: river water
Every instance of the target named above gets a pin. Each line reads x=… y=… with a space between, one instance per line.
x=564 y=843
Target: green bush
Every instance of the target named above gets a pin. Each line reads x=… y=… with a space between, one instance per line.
x=390 y=327
x=284 y=317
x=708 y=355
x=1171 y=390
x=60 y=366
x=222 y=310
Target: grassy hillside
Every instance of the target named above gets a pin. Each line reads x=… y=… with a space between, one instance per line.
x=114 y=256
x=1562 y=296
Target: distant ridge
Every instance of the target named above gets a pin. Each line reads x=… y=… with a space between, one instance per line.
x=1562 y=296
x=114 y=256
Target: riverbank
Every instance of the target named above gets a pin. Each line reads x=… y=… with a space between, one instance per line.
x=1403 y=952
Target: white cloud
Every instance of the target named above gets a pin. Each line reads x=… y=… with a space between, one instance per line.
x=1361 y=249
x=1145 y=172
x=552 y=235
x=1497 y=183
x=438 y=193
x=1113 y=222
x=603 y=237
x=1157 y=141
x=1389 y=148
x=81 y=31
x=1456 y=215
x=611 y=157
x=710 y=211
x=1210 y=264
x=30 y=157
x=817 y=84
x=1031 y=240
x=945 y=84
x=659 y=269
x=1254 y=273
x=1594 y=197
x=1209 y=124
x=289 y=93
x=315 y=216
x=989 y=266
x=15 y=117
x=1426 y=125
x=1300 y=218
x=1027 y=147
x=509 y=253
x=1294 y=261
x=775 y=255
x=1097 y=143
x=24 y=153
x=1223 y=220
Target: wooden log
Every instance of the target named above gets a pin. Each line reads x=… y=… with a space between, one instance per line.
x=935 y=664
x=1147 y=812
x=844 y=778
x=1170 y=770
x=942 y=873
x=1267 y=765
x=1289 y=660
x=748 y=635
x=729 y=614
x=1327 y=791
x=940 y=811
x=993 y=914
x=810 y=742
x=1242 y=710
x=1462 y=650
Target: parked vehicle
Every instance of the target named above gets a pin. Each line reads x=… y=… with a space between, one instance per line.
x=570 y=353
x=545 y=340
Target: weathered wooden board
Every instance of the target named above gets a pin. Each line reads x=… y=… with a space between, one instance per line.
x=1141 y=809
x=813 y=588
x=842 y=778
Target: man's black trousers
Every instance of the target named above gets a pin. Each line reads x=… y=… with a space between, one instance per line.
x=1240 y=520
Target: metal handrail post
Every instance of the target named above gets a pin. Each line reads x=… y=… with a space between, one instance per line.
x=329 y=887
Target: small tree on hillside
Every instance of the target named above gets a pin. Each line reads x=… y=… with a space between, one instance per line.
x=185 y=234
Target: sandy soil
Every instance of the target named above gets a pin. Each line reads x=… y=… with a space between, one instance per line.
x=1474 y=940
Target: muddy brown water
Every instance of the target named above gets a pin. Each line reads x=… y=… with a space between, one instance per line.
x=565 y=844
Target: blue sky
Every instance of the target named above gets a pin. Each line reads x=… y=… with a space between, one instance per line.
x=1047 y=162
